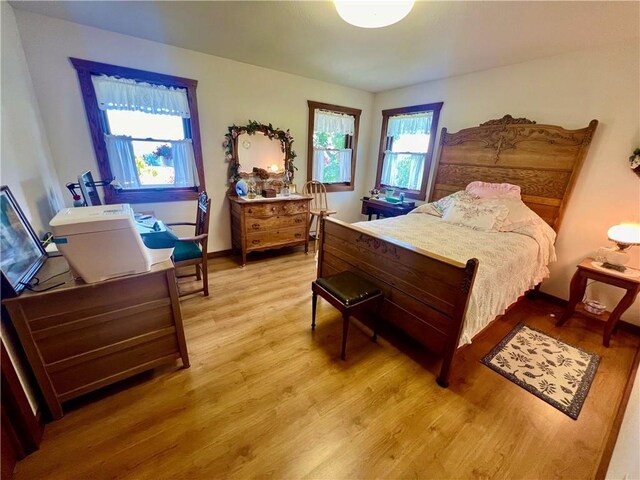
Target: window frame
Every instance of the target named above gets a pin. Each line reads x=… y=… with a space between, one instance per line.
x=355 y=112
x=386 y=114
x=98 y=126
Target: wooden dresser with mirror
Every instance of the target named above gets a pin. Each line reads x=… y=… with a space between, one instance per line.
x=266 y=223
x=262 y=154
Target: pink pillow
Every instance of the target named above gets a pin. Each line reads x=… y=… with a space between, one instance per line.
x=493 y=190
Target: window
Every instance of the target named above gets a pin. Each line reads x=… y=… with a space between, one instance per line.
x=145 y=132
x=333 y=138
x=406 y=148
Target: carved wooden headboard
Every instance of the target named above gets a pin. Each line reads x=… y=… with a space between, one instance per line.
x=544 y=160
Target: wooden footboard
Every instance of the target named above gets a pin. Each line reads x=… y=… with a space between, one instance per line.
x=425 y=295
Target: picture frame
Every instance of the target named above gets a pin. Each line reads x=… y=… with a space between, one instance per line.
x=21 y=253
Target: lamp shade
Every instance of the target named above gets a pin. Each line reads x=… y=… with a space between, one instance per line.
x=373 y=14
x=625 y=234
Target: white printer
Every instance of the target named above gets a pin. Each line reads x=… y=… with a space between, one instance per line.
x=105 y=241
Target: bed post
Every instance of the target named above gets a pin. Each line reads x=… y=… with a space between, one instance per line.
x=466 y=285
x=320 y=249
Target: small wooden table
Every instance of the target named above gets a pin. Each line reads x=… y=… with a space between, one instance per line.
x=381 y=207
x=587 y=270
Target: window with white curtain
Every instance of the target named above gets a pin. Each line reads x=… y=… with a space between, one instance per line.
x=333 y=135
x=150 y=137
x=406 y=148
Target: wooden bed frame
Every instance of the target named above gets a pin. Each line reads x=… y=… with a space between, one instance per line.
x=426 y=295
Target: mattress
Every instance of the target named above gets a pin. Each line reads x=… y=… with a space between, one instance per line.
x=510 y=263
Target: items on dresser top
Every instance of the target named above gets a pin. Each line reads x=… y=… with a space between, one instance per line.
x=80 y=337
x=266 y=223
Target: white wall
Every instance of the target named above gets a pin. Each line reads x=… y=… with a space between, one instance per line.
x=567 y=90
x=228 y=92
x=27 y=166
x=625 y=461
x=26 y=159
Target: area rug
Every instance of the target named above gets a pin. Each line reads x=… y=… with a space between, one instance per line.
x=558 y=373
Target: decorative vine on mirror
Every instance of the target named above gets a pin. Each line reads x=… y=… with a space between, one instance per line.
x=246 y=155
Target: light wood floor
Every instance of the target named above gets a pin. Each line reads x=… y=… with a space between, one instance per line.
x=265 y=397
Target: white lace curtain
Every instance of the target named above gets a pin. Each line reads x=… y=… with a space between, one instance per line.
x=333 y=122
x=122 y=160
x=391 y=173
x=123 y=94
x=409 y=124
x=123 y=164
x=322 y=157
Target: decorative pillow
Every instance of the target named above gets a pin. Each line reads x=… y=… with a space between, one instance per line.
x=427 y=208
x=493 y=190
x=519 y=214
x=441 y=205
x=484 y=216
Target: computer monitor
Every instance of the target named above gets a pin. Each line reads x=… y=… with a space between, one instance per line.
x=88 y=189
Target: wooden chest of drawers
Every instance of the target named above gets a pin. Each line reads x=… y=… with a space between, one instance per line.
x=266 y=223
x=80 y=337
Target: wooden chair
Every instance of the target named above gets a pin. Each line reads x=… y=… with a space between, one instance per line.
x=193 y=250
x=318 y=204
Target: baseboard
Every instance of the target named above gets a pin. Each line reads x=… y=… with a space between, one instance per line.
x=622 y=325
x=220 y=253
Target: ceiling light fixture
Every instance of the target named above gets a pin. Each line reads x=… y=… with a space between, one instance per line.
x=373 y=14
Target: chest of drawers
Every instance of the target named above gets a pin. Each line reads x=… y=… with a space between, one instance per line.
x=267 y=223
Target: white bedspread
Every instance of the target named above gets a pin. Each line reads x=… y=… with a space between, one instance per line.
x=510 y=263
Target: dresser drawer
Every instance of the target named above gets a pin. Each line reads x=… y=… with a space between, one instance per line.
x=271 y=238
x=266 y=210
x=257 y=224
x=294 y=208
x=286 y=207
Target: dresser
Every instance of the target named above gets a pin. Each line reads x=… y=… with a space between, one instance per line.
x=266 y=223
x=79 y=337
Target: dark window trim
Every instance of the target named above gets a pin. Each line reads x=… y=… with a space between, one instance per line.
x=386 y=114
x=343 y=186
x=97 y=126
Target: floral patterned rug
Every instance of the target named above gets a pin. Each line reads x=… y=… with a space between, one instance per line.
x=558 y=373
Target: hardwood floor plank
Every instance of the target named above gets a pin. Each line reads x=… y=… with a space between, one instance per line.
x=265 y=397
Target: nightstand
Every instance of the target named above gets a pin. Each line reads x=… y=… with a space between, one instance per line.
x=588 y=270
x=380 y=207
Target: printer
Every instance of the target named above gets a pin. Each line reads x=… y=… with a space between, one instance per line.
x=105 y=241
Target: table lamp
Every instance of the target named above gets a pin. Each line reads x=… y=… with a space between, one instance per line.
x=625 y=235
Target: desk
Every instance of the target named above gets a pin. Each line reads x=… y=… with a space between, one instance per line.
x=378 y=206
x=79 y=337
x=587 y=270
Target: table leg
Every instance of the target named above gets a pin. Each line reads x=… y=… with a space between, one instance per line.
x=577 y=288
x=622 y=306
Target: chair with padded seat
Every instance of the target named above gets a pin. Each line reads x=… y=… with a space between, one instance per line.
x=318 y=204
x=192 y=250
x=350 y=294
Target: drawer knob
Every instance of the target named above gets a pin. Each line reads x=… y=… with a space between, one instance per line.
x=256 y=226
x=249 y=210
x=255 y=242
x=298 y=235
x=298 y=220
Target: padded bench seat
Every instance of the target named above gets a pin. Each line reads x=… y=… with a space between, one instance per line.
x=349 y=293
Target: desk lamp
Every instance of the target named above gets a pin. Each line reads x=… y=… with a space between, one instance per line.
x=625 y=235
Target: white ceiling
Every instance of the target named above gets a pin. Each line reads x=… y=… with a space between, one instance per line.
x=436 y=40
